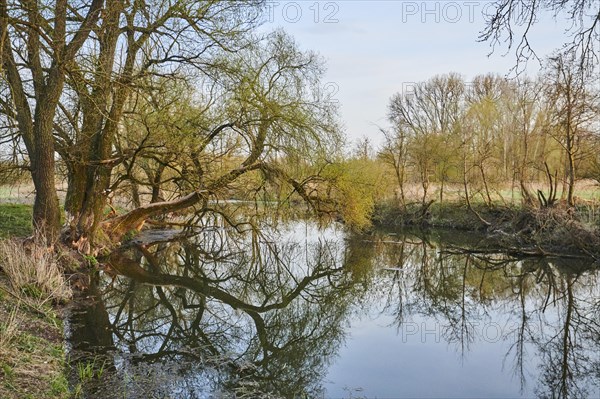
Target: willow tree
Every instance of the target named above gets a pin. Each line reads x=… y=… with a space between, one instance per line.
x=73 y=68
x=486 y=136
x=35 y=50
x=263 y=123
x=99 y=49
x=574 y=105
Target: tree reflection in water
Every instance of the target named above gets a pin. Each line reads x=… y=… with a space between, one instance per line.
x=224 y=314
x=549 y=308
x=235 y=316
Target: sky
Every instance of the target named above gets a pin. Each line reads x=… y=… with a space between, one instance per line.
x=374 y=49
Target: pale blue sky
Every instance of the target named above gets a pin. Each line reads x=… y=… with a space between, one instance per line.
x=376 y=47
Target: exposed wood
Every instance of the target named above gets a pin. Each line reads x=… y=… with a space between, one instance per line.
x=135 y=219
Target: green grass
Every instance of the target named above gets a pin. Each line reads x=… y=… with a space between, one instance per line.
x=15 y=220
x=32 y=354
x=59 y=386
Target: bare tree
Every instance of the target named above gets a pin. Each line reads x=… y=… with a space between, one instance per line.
x=430 y=117
x=506 y=17
x=394 y=153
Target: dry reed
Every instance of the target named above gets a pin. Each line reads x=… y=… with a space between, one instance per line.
x=34 y=272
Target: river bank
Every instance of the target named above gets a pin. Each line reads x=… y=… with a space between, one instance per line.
x=529 y=230
x=32 y=351
x=33 y=361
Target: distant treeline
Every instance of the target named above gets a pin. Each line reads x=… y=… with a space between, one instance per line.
x=531 y=137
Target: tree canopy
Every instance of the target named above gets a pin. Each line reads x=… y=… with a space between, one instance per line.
x=171 y=103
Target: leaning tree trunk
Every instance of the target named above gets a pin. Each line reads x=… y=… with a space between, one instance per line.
x=134 y=220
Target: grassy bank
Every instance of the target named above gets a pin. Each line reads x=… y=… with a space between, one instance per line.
x=15 y=220
x=32 y=356
x=32 y=353
x=535 y=230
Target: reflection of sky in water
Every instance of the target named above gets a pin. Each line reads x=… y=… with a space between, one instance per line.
x=457 y=334
x=421 y=358
x=417 y=361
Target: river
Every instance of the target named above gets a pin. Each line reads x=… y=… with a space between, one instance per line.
x=307 y=312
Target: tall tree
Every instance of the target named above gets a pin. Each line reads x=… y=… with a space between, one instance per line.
x=36 y=51
x=574 y=106
x=394 y=153
x=431 y=115
x=264 y=112
x=78 y=72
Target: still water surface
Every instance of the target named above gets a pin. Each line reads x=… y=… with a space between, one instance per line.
x=306 y=312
